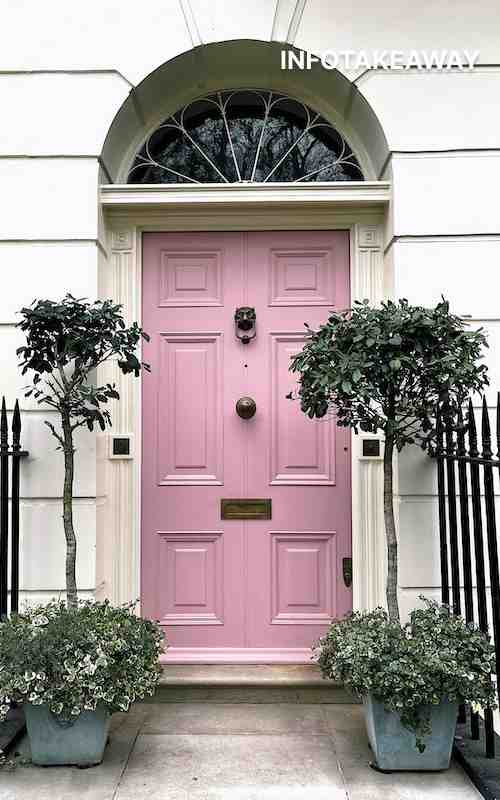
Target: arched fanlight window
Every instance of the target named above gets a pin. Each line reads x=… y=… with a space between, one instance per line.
x=245 y=136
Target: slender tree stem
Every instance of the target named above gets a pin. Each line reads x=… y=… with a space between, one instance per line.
x=69 y=531
x=390 y=531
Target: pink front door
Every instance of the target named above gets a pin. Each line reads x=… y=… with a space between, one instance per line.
x=234 y=589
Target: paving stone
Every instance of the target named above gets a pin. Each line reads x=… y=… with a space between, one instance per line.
x=408 y=793
x=184 y=767
x=362 y=783
x=258 y=718
x=234 y=752
x=134 y=718
x=344 y=717
x=28 y=782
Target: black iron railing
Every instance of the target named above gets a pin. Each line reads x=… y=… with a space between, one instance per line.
x=10 y=457
x=462 y=543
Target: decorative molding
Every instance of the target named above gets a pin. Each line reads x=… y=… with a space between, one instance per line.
x=208 y=607
x=203 y=272
x=121 y=239
x=119 y=518
x=368 y=236
x=313 y=282
x=367 y=276
x=205 y=349
x=368 y=532
x=320 y=472
x=288 y=607
x=133 y=196
x=368 y=547
x=245 y=217
x=120 y=277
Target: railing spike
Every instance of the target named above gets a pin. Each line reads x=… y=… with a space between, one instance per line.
x=471 y=424
x=439 y=431
x=4 y=431
x=16 y=427
x=486 y=431
x=460 y=433
x=449 y=427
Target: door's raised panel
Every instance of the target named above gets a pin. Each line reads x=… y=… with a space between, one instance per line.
x=190 y=279
x=301 y=278
x=191 y=582
x=302 y=450
x=189 y=446
x=302 y=588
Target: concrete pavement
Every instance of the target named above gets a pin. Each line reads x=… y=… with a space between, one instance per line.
x=207 y=751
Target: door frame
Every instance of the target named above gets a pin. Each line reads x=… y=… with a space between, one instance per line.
x=126 y=212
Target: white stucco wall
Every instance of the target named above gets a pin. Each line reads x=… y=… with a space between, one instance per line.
x=66 y=69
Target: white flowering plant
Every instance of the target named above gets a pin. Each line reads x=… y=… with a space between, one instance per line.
x=409 y=668
x=76 y=659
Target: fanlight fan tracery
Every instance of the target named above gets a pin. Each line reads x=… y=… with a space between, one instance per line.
x=245 y=136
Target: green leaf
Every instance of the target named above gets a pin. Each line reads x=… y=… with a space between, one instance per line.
x=375 y=365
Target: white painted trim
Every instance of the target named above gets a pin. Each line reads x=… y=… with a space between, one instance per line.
x=128 y=212
x=133 y=196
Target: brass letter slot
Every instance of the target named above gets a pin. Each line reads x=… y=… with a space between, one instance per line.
x=246 y=509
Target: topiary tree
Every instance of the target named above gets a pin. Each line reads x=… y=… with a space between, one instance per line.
x=66 y=342
x=385 y=370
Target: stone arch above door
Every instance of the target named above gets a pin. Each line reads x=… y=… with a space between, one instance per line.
x=241 y=64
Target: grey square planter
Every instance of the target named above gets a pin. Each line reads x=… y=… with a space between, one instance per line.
x=54 y=742
x=393 y=745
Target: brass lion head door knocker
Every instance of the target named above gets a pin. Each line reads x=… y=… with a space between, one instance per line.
x=245 y=323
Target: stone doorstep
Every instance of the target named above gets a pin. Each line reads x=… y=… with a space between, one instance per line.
x=227 y=683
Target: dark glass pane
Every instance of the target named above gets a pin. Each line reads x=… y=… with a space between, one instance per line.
x=245 y=116
x=175 y=159
x=206 y=133
x=245 y=135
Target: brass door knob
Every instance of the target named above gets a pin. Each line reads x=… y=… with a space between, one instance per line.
x=246 y=407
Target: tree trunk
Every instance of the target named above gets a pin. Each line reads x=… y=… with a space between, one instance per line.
x=390 y=532
x=69 y=531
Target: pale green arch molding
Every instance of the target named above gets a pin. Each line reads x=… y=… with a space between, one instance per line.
x=245 y=64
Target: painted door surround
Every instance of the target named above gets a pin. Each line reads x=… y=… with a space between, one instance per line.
x=127 y=213
x=227 y=588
